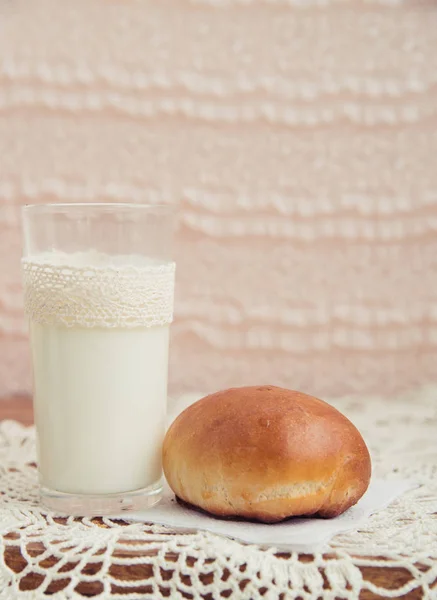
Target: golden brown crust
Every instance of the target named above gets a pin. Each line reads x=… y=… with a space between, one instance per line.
x=266 y=453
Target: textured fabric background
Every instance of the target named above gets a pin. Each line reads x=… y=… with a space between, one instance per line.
x=298 y=136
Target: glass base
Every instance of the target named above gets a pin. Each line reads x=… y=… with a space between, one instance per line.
x=97 y=505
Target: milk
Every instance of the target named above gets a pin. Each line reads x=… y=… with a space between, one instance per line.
x=100 y=404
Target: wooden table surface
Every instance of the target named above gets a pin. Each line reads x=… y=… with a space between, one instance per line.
x=20 y=409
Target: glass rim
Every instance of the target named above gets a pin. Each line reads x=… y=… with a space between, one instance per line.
x=105 y=206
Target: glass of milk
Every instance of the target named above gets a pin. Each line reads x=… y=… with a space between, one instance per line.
x=98 y=286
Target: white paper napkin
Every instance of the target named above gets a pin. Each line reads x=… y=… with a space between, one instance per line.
x=300 y=534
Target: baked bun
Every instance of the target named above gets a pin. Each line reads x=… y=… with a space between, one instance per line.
x=265 y=454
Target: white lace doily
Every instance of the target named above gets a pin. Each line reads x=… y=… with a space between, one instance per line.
x=76 y=558
x=89 y=290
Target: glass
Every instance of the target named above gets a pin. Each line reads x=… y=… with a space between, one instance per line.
x=98 y=286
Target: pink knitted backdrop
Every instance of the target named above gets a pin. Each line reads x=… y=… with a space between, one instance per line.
x=300 y=139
